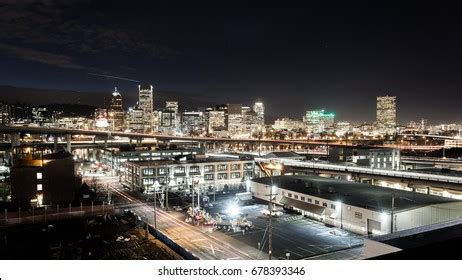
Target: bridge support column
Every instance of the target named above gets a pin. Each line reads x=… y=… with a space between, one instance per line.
x=68 y=143
x=428 y=190
x=105 y=142
x=55 y=143
x=15 y=142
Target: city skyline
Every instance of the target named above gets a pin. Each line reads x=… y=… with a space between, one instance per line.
x=350 y=55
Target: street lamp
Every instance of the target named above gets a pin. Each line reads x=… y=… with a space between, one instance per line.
x=155 y=185
x=338 y=204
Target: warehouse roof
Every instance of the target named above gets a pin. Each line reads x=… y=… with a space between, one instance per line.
x=355 y=194
x=283 y=155
x=188 y=161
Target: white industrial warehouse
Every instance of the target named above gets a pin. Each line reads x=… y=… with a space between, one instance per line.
x=359 y=208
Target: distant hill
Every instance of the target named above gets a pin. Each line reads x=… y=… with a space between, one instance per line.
x=35 y=96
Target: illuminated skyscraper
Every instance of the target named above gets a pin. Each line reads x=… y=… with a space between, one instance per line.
x=136 y=119
x=215 y=120
x=318 y=120
x=116 y=111
x=172 y=106
x=146 y=97
x=386 y=112
x=259 y=108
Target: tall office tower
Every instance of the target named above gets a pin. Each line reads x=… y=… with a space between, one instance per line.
x=386 y=112
x=116 y=111
x=101 y=119
x=146 y=99
x=172 y=106
x=136 y=119
x=215 y=120
x=259 y=108
x=5 y=113
x=250 y=120
x=318 y=120
x=234 y=118
x=192 y=122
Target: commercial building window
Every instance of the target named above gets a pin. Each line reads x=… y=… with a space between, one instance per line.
x=222 y=176
x=148 y=181
x=289 y=194
x=248 y=166
x=310 y=200
x=222 y=167
x=148 y=171
x=39 y=187
x=295 y=196
x=235 y=166
x=208 y=168
x=248 y=174
x=194 y=169
x=358 y=215
x=316 y=202
x=324 y=204
x=39 y=175
x=332 y=206
x=162 y=171
x=180 y=170
x=208 y=177
x=302 y=198
x=235 y=175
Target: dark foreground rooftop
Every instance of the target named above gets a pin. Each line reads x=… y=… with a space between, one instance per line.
x=356 y=194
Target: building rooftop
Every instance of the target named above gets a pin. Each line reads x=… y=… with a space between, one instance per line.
x=355 y=194
x=283 y=155
x=188 y=161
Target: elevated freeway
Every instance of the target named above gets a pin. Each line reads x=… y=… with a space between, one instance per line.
x=409 y=177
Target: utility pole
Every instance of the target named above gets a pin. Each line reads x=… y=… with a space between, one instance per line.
x=270 y=224
x=392 y=210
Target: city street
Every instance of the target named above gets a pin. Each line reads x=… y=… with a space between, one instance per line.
x=196 y=240
x=293 y=234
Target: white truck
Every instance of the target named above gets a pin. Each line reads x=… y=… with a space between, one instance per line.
x=235 y=225
x=244 y=198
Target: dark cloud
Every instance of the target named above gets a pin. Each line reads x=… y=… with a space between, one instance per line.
x=62 y=61
x=67 y=29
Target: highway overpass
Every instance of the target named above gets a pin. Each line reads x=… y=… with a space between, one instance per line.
x=407 y=177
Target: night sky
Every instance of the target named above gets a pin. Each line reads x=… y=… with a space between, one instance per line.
x=334 y=57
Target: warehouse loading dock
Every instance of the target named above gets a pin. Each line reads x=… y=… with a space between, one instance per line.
x=359 y=208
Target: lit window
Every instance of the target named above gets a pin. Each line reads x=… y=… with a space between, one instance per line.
x=39 y=187
x=39 y=175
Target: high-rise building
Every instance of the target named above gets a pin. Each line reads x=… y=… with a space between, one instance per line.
x=234 y=118
x=116 y=112
x=386 y=113
x=146 y=97
x=215 y=120
x=5 y=113
x=192 y=122
x=136 y=119
x=318 y=120
x=259 y=108
x=250 y=120
x=101 y=119
x=172 y=106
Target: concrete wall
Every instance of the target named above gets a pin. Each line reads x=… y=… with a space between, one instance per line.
x=427 y=215
x=351 y=218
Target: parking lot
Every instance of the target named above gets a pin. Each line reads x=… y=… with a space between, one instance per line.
x=292 y=233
